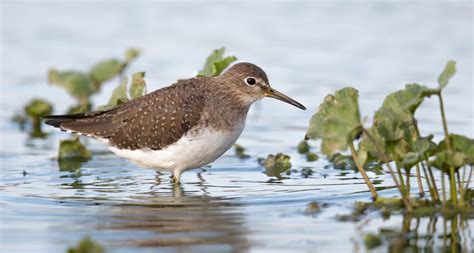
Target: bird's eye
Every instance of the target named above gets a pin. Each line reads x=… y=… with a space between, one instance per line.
x=250 y=81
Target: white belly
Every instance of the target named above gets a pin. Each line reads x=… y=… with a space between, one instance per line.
x=189 y=152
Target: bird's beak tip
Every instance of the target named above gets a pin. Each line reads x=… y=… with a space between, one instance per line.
x=282 y=97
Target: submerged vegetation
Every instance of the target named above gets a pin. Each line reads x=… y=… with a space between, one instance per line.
x=395 y=143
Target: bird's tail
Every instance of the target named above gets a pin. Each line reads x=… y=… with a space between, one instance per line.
x=57 y=120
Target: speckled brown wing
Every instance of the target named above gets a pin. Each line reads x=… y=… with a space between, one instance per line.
x=153 y=121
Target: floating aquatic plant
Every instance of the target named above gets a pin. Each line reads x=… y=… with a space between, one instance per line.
x=394 y=140
x=240 y=151
x=82 y=85
x=36 y=109
x=87 y=245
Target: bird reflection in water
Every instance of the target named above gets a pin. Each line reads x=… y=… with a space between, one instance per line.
x=179 y=220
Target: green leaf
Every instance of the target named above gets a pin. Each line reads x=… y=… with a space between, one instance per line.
x=303 y=147
x=86 y=245
x=220 y=66
x=38 y=108
x=131 y=54
x=119 y=95
x=405 y=102
x=240 y=151
x=315 y=129
x=216 y=63
x=311 y=157
x=337 y=122
x=137 y=88
x=77 y=84
x=73 y=149
x=461 y=144
x=446 y=159
x=276 y=164
x=447 y=73
x=106 y=70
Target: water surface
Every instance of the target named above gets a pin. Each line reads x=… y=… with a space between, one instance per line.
x=307 y=49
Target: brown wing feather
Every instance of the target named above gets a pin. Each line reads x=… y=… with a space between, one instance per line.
x=153 y=121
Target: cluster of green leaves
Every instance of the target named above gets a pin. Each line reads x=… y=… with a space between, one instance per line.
x=394 y=137
x=82 y=85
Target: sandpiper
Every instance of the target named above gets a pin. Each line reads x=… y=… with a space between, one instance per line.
x=179 y=127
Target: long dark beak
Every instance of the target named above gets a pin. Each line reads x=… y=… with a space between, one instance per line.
x=272 y=93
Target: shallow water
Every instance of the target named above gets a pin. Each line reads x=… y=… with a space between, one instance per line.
x=307 y=49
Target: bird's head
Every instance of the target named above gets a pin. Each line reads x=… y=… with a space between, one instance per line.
x=250 y=83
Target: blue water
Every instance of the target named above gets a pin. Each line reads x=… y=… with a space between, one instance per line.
x=308 y=49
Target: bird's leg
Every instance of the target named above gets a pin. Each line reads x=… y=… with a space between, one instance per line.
x=176 y=177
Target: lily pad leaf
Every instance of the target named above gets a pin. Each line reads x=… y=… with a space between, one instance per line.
x=447 y=73
x=216 y=63
x=138 y=86
x=337 y=122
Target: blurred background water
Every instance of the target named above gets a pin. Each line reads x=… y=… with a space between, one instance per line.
x=308 y=49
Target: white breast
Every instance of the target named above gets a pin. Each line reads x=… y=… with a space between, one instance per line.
x=191 y=151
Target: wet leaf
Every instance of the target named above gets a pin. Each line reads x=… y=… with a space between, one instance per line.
x=337 y=122
x=311 y=157
x=276 y=164
x=106 y=70
x=38 y=108
x=77 y=84
x=447 y=73
x=138 y=86
x=303 y=147
x=86 y=245
x=461 y=144
x=216 y=63
x=73 y=149
x=315 y=129
x=446 y=159
x=372 y=241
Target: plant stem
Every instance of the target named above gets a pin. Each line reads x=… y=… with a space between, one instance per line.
x=427 y=178
x=461 y=190
x=392 y=173
x=362 y=172
x=443 y=185
x=418 y=179
x=468 y=178
x=432 y=187
x=452 y=186
x=452 y=182
x=433 y=181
